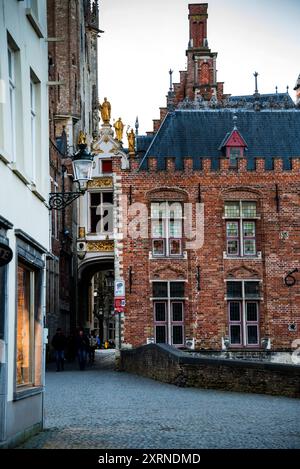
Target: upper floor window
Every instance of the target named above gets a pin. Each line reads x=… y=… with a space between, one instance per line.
x=241 y=228
x=166 y=229
x=101 y=212
x=12 y=98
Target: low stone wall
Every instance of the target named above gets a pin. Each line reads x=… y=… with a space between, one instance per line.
x=164 y=363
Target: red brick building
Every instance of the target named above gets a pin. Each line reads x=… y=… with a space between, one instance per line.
x=212 y=250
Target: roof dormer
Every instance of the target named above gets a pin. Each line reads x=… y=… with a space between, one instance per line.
x=234 y=145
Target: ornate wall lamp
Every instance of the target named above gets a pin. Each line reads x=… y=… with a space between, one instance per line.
x=82 y=163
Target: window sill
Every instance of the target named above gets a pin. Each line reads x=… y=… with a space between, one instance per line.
x=258 y=257
x=27 y=392
x=182 y=256
x=34 y=22
x=238 y=218
x=4 y=157
x=21 y=176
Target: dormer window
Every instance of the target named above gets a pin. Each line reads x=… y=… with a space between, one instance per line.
x=233 y=145
x=234 y=153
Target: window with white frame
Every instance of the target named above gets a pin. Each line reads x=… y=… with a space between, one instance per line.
x=166 y=229
x=101 y=212
x=33 y=119
x=241 y=228
x=168 y=303
x=12 y=98
x=243 y=312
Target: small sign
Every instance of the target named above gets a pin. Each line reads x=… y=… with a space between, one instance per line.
x=120 y=288
x=120 y=305
x=6 y=254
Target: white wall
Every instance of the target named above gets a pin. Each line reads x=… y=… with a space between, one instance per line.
x=21 y=202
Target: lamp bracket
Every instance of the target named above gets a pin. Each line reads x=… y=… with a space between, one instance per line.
x=59 y=200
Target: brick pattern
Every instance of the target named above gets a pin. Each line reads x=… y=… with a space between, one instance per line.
x=206 y=310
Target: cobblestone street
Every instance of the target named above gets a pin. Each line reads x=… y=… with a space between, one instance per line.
x=103 y=409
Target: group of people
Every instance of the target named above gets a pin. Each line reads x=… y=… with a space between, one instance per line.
x=82 y=346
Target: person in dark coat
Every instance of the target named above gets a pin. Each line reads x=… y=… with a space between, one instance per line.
x=59 y=343
x=82 y=345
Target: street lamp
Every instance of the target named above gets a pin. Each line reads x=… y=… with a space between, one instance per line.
x=82 y=163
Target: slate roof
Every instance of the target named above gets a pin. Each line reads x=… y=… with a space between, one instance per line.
x=280 y=98
x=199 y=134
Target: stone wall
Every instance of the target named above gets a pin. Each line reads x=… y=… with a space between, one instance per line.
x=166 y=364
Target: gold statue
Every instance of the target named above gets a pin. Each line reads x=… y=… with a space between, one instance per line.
x=105 y=109
x=81 y=138
x=131 y=141
x=119 y=126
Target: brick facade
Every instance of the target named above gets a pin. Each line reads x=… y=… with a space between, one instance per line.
x=206 y=316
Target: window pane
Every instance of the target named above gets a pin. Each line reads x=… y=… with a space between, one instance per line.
x=175 y=210
x=235 y=334
x=233 y=248
x=235 y=152
x=177 y=289
x=232 y=230
x=232 y=209
x=175 y=247
x=158 y=210
x=95 y=198
x=95 y=219
x=24 y=328
x=249 y=247
x=160 y=289
x=107 y=166
x=158 y=229
x=249 y=209
x=251 y=309
x=234 y=311
x=234 y=289
x=158 y=247
x=252 y=335
x=175 y=228
x=161 y=336
x=107 y=197
x=252 y=290
x=249 y=229
x=177 y=309
x=177 y=335
x=160 y=312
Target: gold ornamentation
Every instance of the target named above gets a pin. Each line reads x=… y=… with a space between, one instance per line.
x=100 y=246
x=100 y=182
x=131 y=141
x=105 y=109
x=81 y=232
x=119 y=126
x=81 y=138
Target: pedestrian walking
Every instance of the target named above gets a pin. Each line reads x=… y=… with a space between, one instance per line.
x=59 y=343
x=82 y=346
x=93 y=346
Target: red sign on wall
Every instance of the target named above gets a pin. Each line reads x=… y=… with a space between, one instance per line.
x=119 y=305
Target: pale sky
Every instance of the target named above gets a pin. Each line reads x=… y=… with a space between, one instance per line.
x=143 y=39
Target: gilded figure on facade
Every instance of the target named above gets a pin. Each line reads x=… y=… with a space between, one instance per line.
x=105 y=110
x=81 y=138
x=119 y=127
x=131 y=141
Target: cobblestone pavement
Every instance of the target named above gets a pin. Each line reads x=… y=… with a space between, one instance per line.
x=102 y=409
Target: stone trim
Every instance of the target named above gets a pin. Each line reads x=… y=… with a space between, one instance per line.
x=5 y=223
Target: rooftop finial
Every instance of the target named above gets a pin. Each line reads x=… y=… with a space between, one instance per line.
x=137 y=125
x=256 y=87
x=276 y=89
x=234 y=122
x=287 y=89
x=171 y=79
